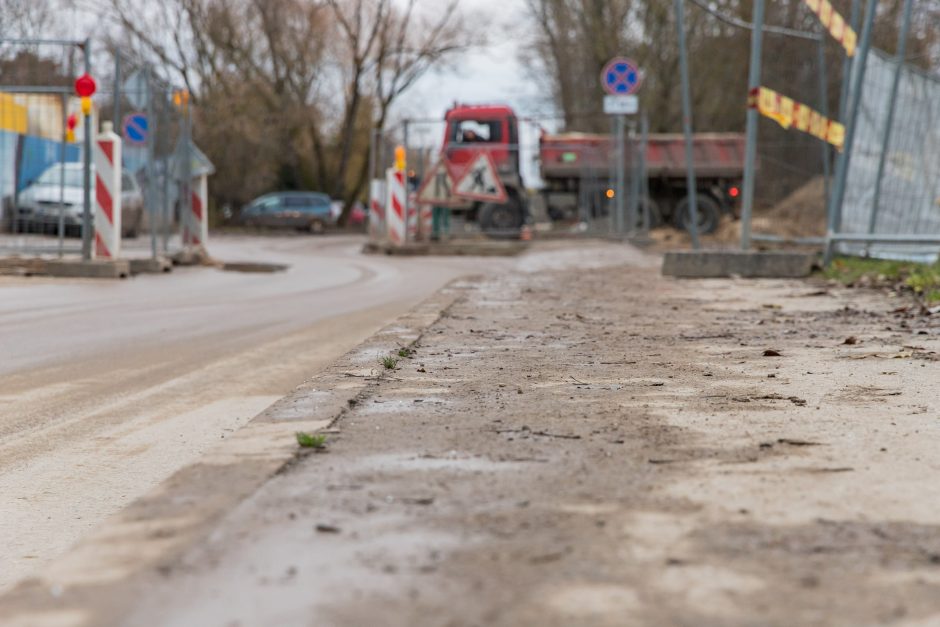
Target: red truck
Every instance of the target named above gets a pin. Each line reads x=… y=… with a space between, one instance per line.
x=576 y=169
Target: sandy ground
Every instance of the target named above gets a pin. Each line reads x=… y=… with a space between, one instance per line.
x=605 y=447
x=107 y=387
x=577 y=444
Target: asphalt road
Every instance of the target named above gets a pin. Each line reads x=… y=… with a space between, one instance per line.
x=108 y=387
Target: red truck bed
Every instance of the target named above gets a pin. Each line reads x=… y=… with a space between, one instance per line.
x=716 y=155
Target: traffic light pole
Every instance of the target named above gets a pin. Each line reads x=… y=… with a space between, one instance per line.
x=86 y=201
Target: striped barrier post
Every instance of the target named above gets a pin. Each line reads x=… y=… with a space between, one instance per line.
x=376 y=209
x=196 y=224
x=107 y=220
x=395 y=214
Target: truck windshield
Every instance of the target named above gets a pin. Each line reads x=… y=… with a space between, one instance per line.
x=475 y=131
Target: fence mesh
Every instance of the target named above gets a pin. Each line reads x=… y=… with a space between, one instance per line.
x=792 y=183
x=39 y=169
x=565 y=183
x=42 y=176
x=909 y=198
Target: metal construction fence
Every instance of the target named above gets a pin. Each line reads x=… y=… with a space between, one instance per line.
x=46 y=182
x=893 y=181
x=871 y=183
x=40 y=172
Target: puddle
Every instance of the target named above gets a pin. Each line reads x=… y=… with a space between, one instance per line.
x=451 y=461
x=254 y=267
x=414 y=391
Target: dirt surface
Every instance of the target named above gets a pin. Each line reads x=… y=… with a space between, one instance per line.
x=107 y=387
x=595 y=447
x=801 y=214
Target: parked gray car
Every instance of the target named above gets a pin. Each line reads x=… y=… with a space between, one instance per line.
x=40 y=201
x=308 y=211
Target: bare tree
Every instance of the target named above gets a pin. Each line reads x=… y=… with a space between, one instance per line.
x=313 y=77
x=383 y=51
x=24 y=18
x=574 y=38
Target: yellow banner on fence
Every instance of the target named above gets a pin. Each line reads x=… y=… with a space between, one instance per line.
x=835 y=23
x=13 y=116
x=788 y=113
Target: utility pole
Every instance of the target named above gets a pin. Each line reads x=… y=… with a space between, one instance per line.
x=86 y=200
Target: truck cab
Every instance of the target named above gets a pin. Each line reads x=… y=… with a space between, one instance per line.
x=492 y=128
x=470 y=129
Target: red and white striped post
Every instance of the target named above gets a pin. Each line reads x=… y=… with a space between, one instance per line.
x=196 y=224
x=377 y=209
x=107 y=160
x=395 y=214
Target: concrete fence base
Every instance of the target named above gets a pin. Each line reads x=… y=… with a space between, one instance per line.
x=700 y=264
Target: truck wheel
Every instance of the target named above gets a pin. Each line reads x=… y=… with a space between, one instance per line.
x=656 y=215
x=709 y=213
x=501 y=221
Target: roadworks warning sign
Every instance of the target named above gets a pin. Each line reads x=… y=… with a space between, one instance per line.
x=480 y=181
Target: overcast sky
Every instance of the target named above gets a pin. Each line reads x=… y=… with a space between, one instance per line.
x=494 y=74
x=491 y=74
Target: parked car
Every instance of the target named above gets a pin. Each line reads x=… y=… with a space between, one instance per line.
x=357 y=217
x=39 y=203
x=308 y=211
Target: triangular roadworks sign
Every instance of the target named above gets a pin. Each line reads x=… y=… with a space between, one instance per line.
x=438 y=186
x=480 y=181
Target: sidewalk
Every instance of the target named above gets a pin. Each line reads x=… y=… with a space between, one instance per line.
x=599 y=447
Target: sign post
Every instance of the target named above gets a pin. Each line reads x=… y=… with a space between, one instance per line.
x=621 y=79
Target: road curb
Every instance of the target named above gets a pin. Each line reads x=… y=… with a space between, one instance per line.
x=66 y=268
x=154 y=265
x=475 y=248
x=84 y=586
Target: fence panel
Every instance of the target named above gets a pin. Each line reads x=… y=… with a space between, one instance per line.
x=565 y=184
x=909 y=200
x=41 y=175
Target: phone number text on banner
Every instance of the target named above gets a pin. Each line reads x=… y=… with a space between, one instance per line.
x=835 y=23
x=788 y=113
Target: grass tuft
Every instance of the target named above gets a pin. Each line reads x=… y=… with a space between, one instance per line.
x=920 y=278
x=311 y=440
x=389 y=362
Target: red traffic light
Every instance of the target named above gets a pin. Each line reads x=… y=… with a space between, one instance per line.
x=71 y=122
x=85 y=86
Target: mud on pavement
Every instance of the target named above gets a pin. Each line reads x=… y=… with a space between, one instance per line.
x=603 y=447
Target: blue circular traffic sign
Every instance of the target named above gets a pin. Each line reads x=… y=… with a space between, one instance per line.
x=135 y=128
x=621 y=77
